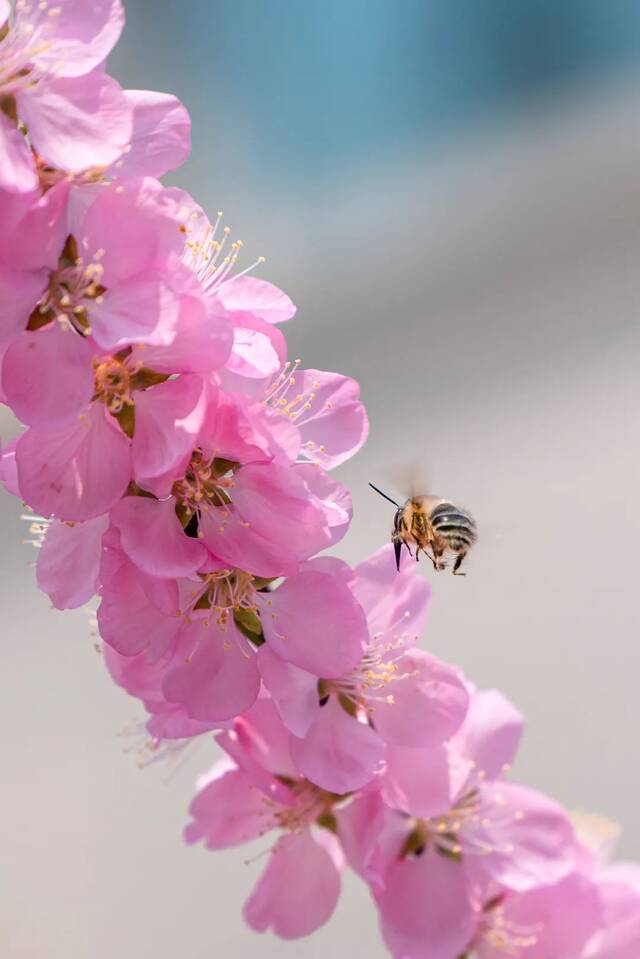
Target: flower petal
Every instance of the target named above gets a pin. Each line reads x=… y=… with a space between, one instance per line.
x=68 y=565
x=77 y=471
x=228 y=811
x=313 y=621
x=202 y=342
x=339 y=753
x=140 y=309
x=168 y=420
x=219 y=678
x=564 y=915
x=530 y=836
x=299 y=889
x=77 y=124
x=129 y=620
x=429 y=702
x=396 y=602
x=247 y=294
x=78 y=37
x=161 y=136
x=491 y=732
x=336 y=426
x=153 y=538
x=417 y=780
x=294 y=691
x=47 y=376
x=425 y=907
x=17 y=171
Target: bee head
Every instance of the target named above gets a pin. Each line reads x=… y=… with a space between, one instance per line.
x=396 y=536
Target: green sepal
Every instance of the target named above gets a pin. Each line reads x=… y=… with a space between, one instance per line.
x=348 y=705
x=144 y=378
x=448 y=853
x=261 y=581
x=127 y=419
x=327 y=820
x=415 y=843
x=249 y=625
x=221 y=466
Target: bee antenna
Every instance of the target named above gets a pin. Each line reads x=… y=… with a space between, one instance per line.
x=397 y=505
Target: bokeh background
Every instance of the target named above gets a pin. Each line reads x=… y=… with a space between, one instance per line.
x=450 y=191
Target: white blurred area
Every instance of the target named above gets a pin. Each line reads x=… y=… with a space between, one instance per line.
x=487 y=299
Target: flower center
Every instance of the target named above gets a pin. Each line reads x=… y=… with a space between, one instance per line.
x=368 y=684
x=71 y=290
x=309 y=803
x=503 y=935
x=468 y=828
x=20 y=46
x=225 y=592
x=205 y=483
x=112 y=383
x=210 y=252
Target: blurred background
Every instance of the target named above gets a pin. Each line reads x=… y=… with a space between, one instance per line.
x=450 y=192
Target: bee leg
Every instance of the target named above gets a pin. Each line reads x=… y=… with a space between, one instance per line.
x=429 y=556
x=456 y=566
x=436 y=559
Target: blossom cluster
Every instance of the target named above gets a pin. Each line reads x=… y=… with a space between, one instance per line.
x=180 y=467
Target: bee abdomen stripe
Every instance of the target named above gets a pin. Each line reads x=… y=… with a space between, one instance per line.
x=453 y=531
x=452 y=519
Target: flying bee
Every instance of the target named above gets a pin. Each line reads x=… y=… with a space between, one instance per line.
x=434 y=526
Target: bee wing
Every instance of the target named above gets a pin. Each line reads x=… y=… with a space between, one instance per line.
x=410 y=478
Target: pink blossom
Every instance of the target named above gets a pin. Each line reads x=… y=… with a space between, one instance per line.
x=262 y=517
x=481 y=752
x=254 y=305
x=258 y=791
x=550 y=920
x=327 y=412
x=437 y=818
x=143 y=679
x=204 y=628
x=160 y=141
x=30 y=247
x=514 y=838
x=137 y=612
x=619 y=935
x=51 y=60
x=618 y=883
x=395 y=694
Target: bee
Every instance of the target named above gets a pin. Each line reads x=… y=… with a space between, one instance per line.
x=434 y=526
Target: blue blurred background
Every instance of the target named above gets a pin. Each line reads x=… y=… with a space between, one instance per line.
x=302 y=95
x=450 y=191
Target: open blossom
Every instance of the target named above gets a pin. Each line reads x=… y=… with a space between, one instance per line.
x=52 y=79
x=254 y=305
x=618 y=884
x=558 y=919
x=74 y=373
x=160 y=141
x=237 y=476
x=395 y=693
x=201 y=634
x=456 y=833
x=260 y=790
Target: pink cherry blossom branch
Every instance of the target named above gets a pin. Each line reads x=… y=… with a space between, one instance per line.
x=178 y=466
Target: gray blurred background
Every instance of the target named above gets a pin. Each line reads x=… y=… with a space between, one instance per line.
x=450 y=191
